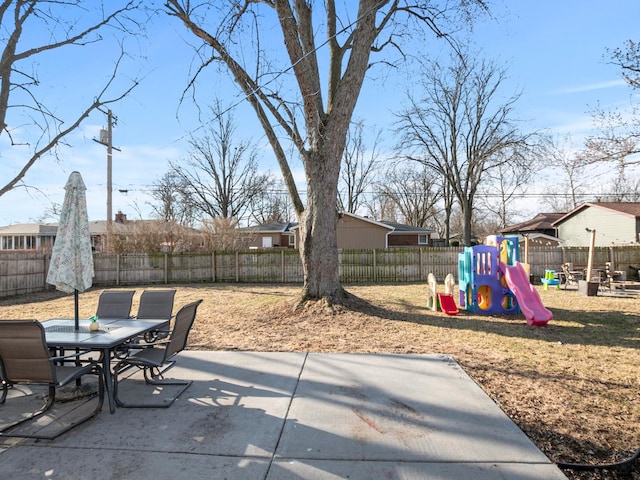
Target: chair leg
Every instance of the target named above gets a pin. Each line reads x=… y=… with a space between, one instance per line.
x=5 y=390
x=48 y=404
x=6 y=432
x=150 y=379
x=152 y=374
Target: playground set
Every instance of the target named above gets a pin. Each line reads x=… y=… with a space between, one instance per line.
x=492 y=281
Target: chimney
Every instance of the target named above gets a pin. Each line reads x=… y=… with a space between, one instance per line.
x=121 y=217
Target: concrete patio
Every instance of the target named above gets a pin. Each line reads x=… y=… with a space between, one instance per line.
x=268 y=416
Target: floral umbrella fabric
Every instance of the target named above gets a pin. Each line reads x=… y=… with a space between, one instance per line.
x=71 y=268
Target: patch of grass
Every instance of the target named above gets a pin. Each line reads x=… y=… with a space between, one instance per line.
x=572 y=386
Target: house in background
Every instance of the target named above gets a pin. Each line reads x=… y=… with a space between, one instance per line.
x=41 y=236
x=353 y=232
x=276 y=234
x=28 y=237
x=148 y=235
x=615 y=223
x=407 y=236
x=356 y=232
x=538 y=231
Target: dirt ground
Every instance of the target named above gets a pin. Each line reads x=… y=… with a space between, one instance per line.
x=573 y=386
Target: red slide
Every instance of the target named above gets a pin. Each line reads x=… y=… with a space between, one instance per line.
x=447 y=304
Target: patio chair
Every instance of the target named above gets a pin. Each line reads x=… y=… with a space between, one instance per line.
x=115 y=304
x=25 y=359
x=155 y=359
x=609 y=276
x=4 y=384
x=156 y=304
x=572 y=277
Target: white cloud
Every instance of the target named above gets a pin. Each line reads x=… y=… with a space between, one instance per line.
x=592 y=87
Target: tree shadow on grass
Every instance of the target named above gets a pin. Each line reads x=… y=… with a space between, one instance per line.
x=600 y=328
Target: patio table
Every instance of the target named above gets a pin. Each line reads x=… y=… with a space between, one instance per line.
x=113 y=332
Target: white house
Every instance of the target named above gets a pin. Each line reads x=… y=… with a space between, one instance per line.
x=615 y=223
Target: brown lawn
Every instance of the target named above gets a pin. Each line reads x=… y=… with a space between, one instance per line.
x=572 y=386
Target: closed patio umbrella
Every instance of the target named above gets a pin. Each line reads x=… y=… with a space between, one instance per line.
x=71 y=268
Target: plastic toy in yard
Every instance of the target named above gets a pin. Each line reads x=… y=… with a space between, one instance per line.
x=442 y=301
x=446 y=301
x=530 y=303
x=492 y=281
x=550 y=279
x=432 y=295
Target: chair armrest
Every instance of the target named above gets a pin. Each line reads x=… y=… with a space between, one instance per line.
x=71 y=355
x=146 y=345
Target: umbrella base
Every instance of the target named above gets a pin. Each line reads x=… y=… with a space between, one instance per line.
x=69 y=393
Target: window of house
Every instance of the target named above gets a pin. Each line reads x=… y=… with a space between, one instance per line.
x=18 y=243
x=423 y=239
x=7 y=243
x=267 y=242
x=30 y=242
x=292 y=240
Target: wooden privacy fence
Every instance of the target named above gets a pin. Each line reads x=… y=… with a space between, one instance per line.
x=22 y=273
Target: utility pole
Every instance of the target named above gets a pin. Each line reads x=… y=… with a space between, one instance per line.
x=109 y=178
x=106 y=139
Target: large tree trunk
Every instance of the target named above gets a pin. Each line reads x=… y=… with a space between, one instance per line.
x=467 y=212
x=318 y=239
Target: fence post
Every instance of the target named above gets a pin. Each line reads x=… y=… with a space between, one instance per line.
x=166 y=268
x=375 y=268
x=213 y=266
x=237 y=266
x=46 y=259
x=118 y=268
x=282 y=265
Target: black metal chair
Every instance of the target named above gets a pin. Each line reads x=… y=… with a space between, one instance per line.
x=115 y=304
x=25 y=359
x=571 y=277
x=155 y=359
x=156 y=304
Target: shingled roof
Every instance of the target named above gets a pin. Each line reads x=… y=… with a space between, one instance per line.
x=627 y=208
x=542 y=222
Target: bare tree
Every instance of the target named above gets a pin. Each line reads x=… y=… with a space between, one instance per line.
x=628 y=59
x=25 y=118
x=462 y=130
x=618 y=139
x=290 y=98
x=380 y=206
x=154 y=236
x=272 y=206
x=220 y=178
x=569 y=168
x=222 y=234
x=448 y=199
x=170 y=203
x=501 y=187
x=414 y=192
x=358 y=168
x=622 y=188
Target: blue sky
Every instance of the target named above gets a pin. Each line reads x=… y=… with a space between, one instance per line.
x=554 y=52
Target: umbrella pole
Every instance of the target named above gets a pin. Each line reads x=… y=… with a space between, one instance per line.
x=76 y=312
x=75 y=309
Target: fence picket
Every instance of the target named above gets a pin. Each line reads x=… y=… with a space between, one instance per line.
x=22 y=273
